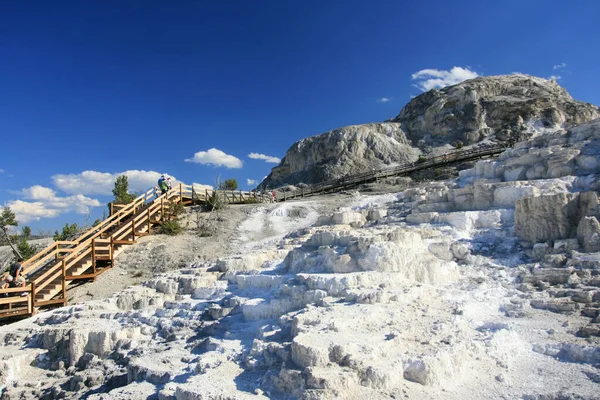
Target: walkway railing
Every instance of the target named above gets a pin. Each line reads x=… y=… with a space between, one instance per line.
x=403 y=169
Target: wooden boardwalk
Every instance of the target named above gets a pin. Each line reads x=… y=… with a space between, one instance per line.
x=351 y=181
x=51 y=271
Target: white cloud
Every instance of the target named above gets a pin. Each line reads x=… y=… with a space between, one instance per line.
x=102 y=183
x=38 y=192
x=48 y=205
x=560 y=66
x=201 y=187
x=383 y=100
x=1 y=171
x=31 y=211
x=215 y=157
x=269 y=159
x=555 y=77
x=251 y=181
x=428 y=79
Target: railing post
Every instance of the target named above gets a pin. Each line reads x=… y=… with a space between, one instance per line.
x=111 y=209
x=133 y=230
x=112 y=252
x=30 y=304
x=148 y=221
x=181 y=193
x=162 y=209
x=206 y=195
x=94 y=257
x=64 y=281
x=193 y=194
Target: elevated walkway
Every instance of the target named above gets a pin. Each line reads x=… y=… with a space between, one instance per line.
x=350 y=181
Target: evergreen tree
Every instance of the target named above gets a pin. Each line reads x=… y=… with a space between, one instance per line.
x=7 y=219
x=121 y=191
x=229 y=184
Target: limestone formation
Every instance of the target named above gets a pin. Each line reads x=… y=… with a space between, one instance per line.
x=588 y=233
x=551 y=217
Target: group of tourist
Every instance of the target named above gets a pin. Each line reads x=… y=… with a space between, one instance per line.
x=163 y=185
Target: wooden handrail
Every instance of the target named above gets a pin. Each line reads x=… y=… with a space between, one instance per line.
x=400 y=169
x=19 y=289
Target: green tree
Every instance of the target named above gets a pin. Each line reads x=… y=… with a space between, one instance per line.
x=26 y=232
x=97 y=222
x=67 y=232
x=27 y=251
x=121 y=191
x=229 y=184
x=8 y=219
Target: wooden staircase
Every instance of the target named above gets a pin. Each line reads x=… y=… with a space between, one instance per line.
x=51 y=271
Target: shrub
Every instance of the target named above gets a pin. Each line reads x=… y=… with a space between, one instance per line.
x=229 y=184
x=171 y=224
x=421 y=159
x=171 y=228
x=459 y=144
x=215 y=202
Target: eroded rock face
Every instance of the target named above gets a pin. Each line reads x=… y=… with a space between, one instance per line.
x=542 y=218
x=505 y=107
x=343 y=151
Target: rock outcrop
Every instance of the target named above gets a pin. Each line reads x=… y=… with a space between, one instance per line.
x=504 y=107
x=497 y=108
x=543 y=218
x=340 y=152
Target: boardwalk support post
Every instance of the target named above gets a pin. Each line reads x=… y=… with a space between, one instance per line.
x=94 y=257
x=64 y=282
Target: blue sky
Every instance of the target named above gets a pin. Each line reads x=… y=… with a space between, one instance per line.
x=141 y=86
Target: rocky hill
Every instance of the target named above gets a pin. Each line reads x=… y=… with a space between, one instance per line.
x=503 y=107
x=342 y=151
x=494 y=108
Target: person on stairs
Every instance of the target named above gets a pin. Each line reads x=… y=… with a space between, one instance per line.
x=162 y=184
x=7 y=283
x=16 y=271
x=169 y=183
